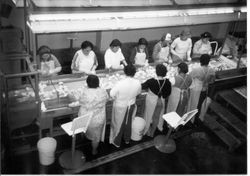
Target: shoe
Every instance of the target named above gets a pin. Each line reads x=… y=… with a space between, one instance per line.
x=117 y=146
x=94 y=152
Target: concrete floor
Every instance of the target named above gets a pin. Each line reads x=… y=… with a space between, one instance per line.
x=199 y=152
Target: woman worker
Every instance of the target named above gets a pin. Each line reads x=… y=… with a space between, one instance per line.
x=181 y=47
x=230 y=47
x=93 y=99
x=202 y=76
x=124 y=108
x=180 y=91
x=139 y=55
x=203 y=45
x=158 y=90
x=49 y=64
x=113 y=56
x=84 y=59
x=161 y=52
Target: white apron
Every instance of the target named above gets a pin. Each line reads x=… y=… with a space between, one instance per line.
x=173 y=99
x=48 y=65
x=151 y=101
x=140 y=58
x=204 y=108
x=86 y=64
x=118 y=115
x=195 y=91
x=163 y=54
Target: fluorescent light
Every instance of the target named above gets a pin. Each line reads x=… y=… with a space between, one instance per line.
x=45 y=23
x=120 y=15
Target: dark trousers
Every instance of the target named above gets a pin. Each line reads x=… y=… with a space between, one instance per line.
x=125 y=130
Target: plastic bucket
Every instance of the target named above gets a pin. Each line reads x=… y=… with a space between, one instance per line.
x=46 y=148
x=138 y=126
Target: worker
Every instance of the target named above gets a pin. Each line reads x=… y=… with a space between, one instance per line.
x=158 y=90
x=113 y=56
x=50 y=65
x=202 y=76
x=93 y=99
x=161 y=52
x=124 y=108
x=84 y=60
x=139 y=55
x=203 y=45
x=181 y=47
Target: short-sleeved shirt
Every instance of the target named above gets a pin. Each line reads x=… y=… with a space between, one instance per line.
x=154 y=86
x=125 y=91
x=113 y=59
x=182 y=47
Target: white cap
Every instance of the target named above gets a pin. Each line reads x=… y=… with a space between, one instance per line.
x=168 y=37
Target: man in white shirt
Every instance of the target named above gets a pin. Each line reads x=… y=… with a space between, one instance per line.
x=124 y=108
x=182 y=46
x=113 y=56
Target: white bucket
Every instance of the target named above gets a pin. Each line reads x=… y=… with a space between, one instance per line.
x=138 y=126
x=46 y=148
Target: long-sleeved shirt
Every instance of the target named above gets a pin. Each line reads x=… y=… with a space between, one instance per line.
x=202 y=48
x=113 y=60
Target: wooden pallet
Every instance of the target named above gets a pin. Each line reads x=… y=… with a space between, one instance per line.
x=228 y=138
x=228 y=117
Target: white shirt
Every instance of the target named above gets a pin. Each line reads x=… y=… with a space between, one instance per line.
x=182 y=47
x=125 y=91
x=202 y=48
x=83 y=62
x=113 y=59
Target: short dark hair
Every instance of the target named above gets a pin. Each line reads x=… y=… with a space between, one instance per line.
x=183 y=67
x=206 y=35
x=115 y=43
x=129 y=70
x=143 y=41
x=204 y=59
x=92 y=81
x=87 y=44
x=43 y=50
x=161 y=70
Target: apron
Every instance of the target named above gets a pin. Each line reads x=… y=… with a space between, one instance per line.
x=154 y=107
x=163 y=54
x=195 y=91
x=176 y=97
x=86 y=64
x=118 y=115
x=140 y=58
x=184 y=95
x=48 y=65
